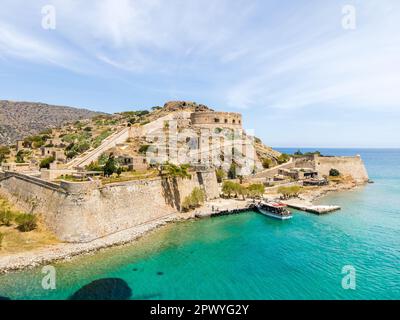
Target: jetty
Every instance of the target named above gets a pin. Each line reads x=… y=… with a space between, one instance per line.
x=316 y=209
x=223 y=207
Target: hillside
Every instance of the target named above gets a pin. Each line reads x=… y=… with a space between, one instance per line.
x=127 y=135
x=21 y=119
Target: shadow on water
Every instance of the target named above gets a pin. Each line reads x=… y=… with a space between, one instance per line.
x=151 y=296
x=103 y=289
x=4 y=298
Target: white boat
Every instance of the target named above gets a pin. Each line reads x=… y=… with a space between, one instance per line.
x=274 y=210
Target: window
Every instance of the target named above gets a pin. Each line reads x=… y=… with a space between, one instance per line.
x=226 y=120
x=216 y=120
x=233 y=121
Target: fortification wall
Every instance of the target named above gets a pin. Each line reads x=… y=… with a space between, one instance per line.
x=216 y=119
x=82 y=212
x=353 y=166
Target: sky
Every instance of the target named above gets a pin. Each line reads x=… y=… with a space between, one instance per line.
x=302 y=73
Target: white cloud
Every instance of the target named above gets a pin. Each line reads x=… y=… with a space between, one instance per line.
x=257 y=55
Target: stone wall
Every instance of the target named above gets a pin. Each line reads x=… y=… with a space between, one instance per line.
x=82 y=212
x=216 y=119
x=352 y=166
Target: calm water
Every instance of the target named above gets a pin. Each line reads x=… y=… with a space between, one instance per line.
x=250 y=256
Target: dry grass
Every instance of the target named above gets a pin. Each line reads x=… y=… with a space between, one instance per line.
x=130 y=176
x=15 y=241
x=341 y=179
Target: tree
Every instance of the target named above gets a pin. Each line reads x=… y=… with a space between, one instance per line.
x=4 y=152
x=143 y=148
x=334 y=173
x=232 y=171
x=110 y=167
x=19 y=158
x=256 y=190
x=289 y=192
x=175 y=171
x=45 y=163
x=6 y=217
x=221 y=174
x=298 y=153
x=230 y=187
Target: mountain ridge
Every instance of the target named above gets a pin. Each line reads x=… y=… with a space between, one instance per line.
x=19 y=119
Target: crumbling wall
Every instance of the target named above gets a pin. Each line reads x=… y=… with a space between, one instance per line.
x=351 y=166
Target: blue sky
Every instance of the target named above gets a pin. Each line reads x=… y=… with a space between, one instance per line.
x=298 y=77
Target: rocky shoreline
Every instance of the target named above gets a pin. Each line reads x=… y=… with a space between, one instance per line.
x=66 y=251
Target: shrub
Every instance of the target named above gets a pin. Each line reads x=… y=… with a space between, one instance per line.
x=1 y=239
x=256 y=190
x=267 y=163
x=175 y=171
x=232 y=171
x=6 y=217
x=4 y=152
x=283 y=158
x=143 y=148
x=45 y=163
x=19 y=158
x=26 y=222
x=289 y=192
x=194 y=200
x=94 y=166
x=334 y=173
x=230 y=187
x=118 y=171
x=221 y=174
x=110 y=167
x=100 y=138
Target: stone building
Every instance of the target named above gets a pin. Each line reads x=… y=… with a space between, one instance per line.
x=133 y=162
x=216 y=119
x=20 y=145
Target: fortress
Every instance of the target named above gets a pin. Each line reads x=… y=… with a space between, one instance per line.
x=85 y=210
x=216 y=119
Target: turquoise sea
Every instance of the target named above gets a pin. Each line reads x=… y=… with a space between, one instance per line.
x=250 y=256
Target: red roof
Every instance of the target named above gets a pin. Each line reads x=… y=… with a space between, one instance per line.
x=277 y=205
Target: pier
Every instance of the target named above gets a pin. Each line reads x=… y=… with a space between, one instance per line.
x=224 y=207
x=316 y=209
